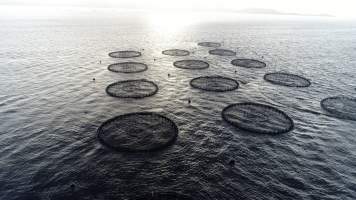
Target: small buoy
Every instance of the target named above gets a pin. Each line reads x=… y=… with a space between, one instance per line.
x=154 y=59
x=232 y=162
x=169 y=75
x=93 y=79
x=189 y=101
x=72 y=187
x=235 y=71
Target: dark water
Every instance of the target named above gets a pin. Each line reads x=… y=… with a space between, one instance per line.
x=50 y=110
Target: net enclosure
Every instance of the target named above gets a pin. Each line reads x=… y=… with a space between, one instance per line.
x=286 y=79
x=128 y=67
x=214 y=83
x=340 y=106
x=209 y=44
x=222 y=52
x=138 y=132
x=125 y=54
x=132 y=88
x=191 y=64
x=248 y=63
x=175 y=52
x=257 y=118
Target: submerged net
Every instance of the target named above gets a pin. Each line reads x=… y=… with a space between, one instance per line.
x=191 y=64
x=285 y=79
x=132 y=89
x=222 y=52
x=340 y=106
x=248 y=63
x=175 y=52
x=209 y=44
x=258 y=118
x=128 y=67
x=124 y=54
x=135 y=132
x=214 y=83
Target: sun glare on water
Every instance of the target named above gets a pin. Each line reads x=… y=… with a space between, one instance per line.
x=171 y=22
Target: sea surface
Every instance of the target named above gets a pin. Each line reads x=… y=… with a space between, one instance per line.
x=50 y=109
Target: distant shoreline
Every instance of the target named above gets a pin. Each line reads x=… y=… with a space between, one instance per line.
x=276 y=12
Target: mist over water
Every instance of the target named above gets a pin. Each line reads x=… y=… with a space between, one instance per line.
x=50 y=109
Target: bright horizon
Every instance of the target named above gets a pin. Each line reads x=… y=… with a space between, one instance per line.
x=339 y=9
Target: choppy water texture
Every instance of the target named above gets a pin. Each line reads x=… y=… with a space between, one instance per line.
x=50 y=109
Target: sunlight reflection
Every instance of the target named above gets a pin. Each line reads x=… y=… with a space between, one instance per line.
x=171 y=22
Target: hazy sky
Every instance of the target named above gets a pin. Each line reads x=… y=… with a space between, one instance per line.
x=339 y=8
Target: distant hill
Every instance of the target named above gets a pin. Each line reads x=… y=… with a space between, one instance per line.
x=276 y=12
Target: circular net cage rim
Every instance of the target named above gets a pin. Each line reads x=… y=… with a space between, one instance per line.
x=217 y=90
x=126 y=149
x=186 y=52
x=247 y=59
x=206 y=64
x=127 y=72
x=138 y=54
x=133 y=97
x=286 y=84
x=225 y=50
x=337 y=114
x=290 y=128
x=208 y=44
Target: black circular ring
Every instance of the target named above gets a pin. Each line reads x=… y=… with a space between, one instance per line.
x=262 y=122
x=121 y=94
x=125 y=54
x=128 y=67
x=196 y=83
x=172 y=127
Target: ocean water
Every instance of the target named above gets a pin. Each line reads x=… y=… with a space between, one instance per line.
x=50 y=109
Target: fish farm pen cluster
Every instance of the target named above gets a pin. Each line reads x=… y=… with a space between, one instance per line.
x=149 y=131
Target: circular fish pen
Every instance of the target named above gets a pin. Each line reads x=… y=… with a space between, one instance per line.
x=222 y=52
x=132 y=89
x=340 y=106
x=175 y=52
x=257 y=118
x=209 y=44
x=248 y=63
x=138 y=132
x=125 y=54
x=191 y=64
x=286 y=79
x=214 y=83
x=128 y=67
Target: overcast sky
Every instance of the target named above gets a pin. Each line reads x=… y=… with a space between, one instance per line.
x=338 y=8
